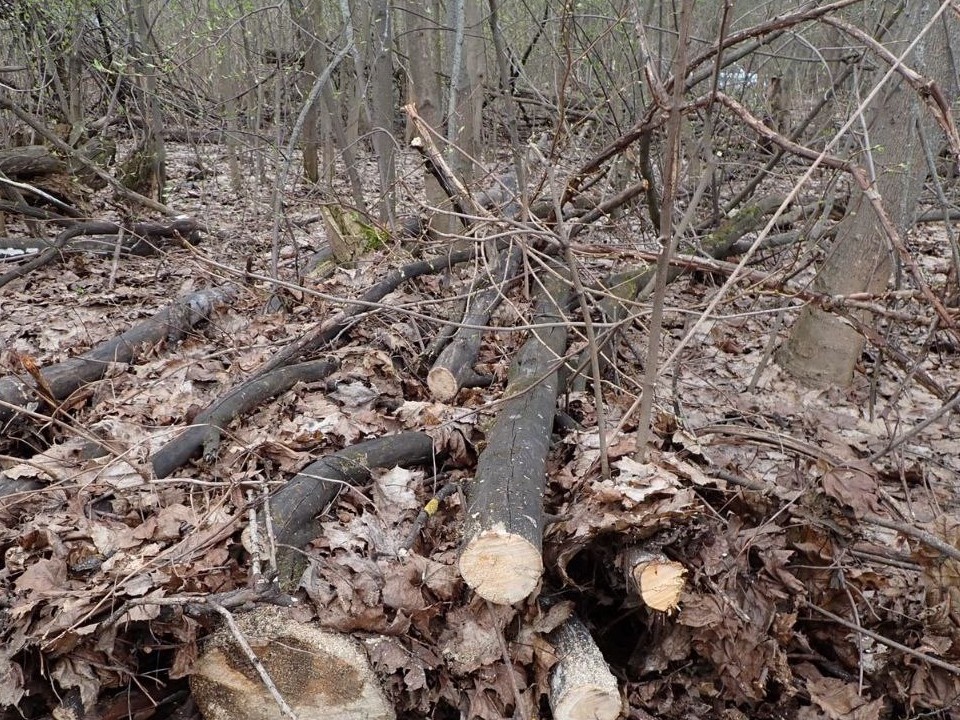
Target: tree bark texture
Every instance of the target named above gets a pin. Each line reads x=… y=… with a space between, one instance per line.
x=306 y=495
x=504 y=525
x=453 y=369
x=823 y=349
x=581 y=684
x=205 y=432
x=63 y=379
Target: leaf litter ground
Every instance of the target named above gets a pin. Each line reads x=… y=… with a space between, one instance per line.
x=800 y=600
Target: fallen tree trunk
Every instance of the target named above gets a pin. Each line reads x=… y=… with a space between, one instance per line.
x=205 y=432
x=453 y=368
x=296 y=504
x=502 y=559
x=142 y=240
x=55 y=384
x=581 y=684
x=29 y=161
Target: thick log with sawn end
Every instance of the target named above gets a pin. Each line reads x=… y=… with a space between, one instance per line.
x=501 y=558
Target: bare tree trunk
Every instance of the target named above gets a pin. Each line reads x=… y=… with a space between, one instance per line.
x=383 y=107
x=154 y=152
x=823 y=348
x=423 y=82
x=465 y=96
x=308 y=22
x=468 y=70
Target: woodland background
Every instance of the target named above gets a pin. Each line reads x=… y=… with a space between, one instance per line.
x=302 y=303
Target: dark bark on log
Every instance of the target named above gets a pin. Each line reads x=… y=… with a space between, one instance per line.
x=204 y=434
x=453 y=369
x=29 y=161
x=22 y=208
x=501 y=559
x=16 y=486
x=142 y=240
x=328 y=330
x=305 y=496
x=169 y=325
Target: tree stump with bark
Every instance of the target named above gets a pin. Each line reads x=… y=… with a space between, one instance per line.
x=245 y=672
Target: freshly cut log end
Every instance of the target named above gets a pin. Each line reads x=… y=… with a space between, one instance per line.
x=502 y=567
x=581 y=685
x=589 y=703
x=659 y=583
x=443 y=385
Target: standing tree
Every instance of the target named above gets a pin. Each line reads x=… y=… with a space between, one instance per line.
x=823 y=348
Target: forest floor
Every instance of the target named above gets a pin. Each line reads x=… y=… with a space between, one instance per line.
x=803 y=517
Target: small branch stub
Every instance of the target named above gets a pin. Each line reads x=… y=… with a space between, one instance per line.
x=581 y=685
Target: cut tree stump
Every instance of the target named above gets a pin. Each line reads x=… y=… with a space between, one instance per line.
x=501 y=558
x=205 y=432
x=320 y=675
x=53 y=386
x=581 y=684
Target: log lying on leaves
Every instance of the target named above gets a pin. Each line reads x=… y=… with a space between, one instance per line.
x=52 y=387
x=317 y=674
x=453 y=369
x=331 y=328
x=142 y=240
x=501 y=558
x=581 y=685
x=205 y=432
x=30 y=161
x=296 y=504
x=657 y=579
